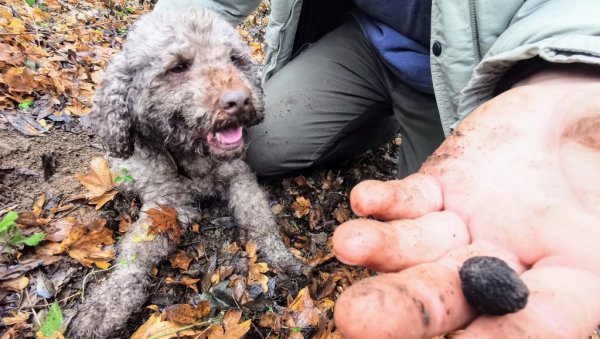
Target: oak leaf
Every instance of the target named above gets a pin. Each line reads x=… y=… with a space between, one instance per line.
x=180 y=259
x=231 y=329
x=301 y=207
x=164 y=221
x=256 y=270
x=304 y=310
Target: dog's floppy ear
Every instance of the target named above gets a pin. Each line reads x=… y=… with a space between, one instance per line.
x=110 y=113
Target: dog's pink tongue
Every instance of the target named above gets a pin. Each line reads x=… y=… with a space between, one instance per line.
x=230 y=136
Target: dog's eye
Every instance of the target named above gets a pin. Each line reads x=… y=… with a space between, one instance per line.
x=180 y=67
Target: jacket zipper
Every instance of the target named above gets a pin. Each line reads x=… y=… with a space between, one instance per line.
x=474 y=31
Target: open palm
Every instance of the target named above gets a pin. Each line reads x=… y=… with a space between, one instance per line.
x=519 y=180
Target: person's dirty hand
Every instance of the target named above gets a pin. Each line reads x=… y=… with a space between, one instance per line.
x=519 y=180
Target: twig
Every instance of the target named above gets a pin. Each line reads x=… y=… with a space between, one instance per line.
x=59 y=301
x=8 y=209
x=251 y=323
x=37 y=320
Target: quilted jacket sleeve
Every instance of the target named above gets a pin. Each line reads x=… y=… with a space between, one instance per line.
x=234 y=11
x=558 y=31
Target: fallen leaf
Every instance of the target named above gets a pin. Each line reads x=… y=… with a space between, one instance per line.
x=25 y=265
x=301 y=207
x=156 y=327
x=11 y=55
x=53 y=322
x=231 y=329
x=16 y=284
x=86 y=243
x=38 y=205
x=270 y=320
x=301 y=181
x=17 y=318
x=185 y=314
x=57 y=231
x=164 y=221
x=187 y=281
x=180 y=259
x=341 y=214
x=99 y=182
x=124 y=223
x=304 y=311
x=256 y=270
x=20 y=79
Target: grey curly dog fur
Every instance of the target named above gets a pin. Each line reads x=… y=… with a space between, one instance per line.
x=170 y=111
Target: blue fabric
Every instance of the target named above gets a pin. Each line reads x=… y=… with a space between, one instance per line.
x=400 y=30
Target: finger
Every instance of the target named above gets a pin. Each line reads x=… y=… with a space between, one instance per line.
x=563 y=303
x=398 y=199
x=419 y=302
x=387 y=247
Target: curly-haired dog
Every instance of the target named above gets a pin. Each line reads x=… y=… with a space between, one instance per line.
x=171 y=111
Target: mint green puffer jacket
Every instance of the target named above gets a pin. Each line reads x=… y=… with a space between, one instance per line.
x=474 y=42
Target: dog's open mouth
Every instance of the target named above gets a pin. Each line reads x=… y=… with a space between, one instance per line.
x=226 y=139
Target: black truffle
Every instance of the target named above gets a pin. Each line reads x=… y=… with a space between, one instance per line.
x=491 y=286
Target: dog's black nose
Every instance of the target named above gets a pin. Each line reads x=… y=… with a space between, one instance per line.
x=234 y=101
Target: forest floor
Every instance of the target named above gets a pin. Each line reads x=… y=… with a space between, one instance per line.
x=52 y=53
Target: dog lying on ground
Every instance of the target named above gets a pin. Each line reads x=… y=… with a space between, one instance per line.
x=171 y=111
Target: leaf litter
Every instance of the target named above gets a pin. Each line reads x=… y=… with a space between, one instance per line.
x=215 y=285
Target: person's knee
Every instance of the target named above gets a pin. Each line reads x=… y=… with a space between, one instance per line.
x=269 y=156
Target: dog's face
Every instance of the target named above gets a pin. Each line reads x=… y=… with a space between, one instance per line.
x=185 y=79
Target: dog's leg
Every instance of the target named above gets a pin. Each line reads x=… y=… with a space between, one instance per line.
x=250 y=208
x=112 y=301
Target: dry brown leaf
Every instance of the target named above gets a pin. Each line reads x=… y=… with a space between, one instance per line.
x=196 y=228
x=38 y=205
x=164 y=221
x=231 y=248
x=251 y=248
x=185 y=280
x=17 y=318
x=124 y=223
x=20 y=79
x=11 y=55
x=16 y=284
x=180 y=259
x=185 y=314
x=155 y=326
x=86 y=244
x=99 y=182
x=256 y=270
x=304 y=311
x=255 y=275
x=270 y=320
x=301 y=207
x=341 y=214
x=231 y=329
x=60 y=229
x=301 y=181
